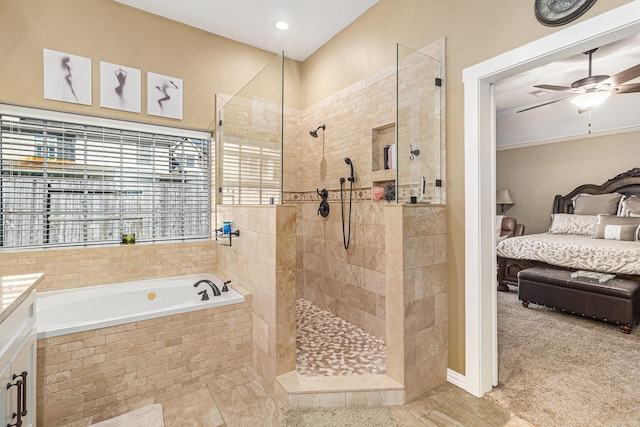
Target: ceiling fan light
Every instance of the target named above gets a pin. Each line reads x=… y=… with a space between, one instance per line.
x=589 y=100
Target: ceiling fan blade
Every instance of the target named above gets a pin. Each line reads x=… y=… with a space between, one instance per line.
x=628 y=88
x=542 y=105
x=552 y=87
x=626 y=75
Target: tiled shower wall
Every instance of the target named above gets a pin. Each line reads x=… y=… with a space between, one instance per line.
x=348 y=282
x=417 y=319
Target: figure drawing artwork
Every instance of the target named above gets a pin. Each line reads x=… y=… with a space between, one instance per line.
x=120 y=87
x=67 y=77
x=164 y=96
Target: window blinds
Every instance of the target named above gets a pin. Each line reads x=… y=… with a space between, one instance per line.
x=72 y=180
x=251 y=172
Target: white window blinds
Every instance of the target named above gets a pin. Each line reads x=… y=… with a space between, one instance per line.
x=76 y=180
x=251 y=172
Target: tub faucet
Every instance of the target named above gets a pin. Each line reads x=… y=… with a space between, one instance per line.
x=214 y=288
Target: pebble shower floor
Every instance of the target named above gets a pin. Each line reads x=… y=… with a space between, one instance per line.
x=328 y=345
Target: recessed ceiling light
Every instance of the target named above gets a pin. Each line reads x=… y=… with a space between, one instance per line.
x=281 y=25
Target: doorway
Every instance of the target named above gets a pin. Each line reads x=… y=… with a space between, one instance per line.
x=481 y=342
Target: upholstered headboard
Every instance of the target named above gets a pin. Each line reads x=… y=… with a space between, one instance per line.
x=626 y=183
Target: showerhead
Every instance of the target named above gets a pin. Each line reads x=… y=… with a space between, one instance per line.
x=314 y=133
x=347 y=160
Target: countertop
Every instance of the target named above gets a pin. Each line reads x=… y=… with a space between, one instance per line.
x=14 y=290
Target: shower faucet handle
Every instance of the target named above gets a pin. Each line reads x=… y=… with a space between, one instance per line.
x=324 y=193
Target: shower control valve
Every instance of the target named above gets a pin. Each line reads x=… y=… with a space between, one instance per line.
x=323 y=210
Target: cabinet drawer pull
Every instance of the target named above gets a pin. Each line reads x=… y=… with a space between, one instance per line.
x=23 y=410
x=18 y=414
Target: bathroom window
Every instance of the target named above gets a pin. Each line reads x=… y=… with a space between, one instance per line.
x=77 y=180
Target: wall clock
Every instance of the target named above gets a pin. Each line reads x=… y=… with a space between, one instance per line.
x=560 y=12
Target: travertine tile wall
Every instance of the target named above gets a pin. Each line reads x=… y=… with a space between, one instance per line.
x=263 y=260
x=79 y=267
x=416 y=300
x=95 y=375
x=348 y=282
x=351 y=282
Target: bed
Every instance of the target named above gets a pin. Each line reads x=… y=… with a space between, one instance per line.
x=582 y=235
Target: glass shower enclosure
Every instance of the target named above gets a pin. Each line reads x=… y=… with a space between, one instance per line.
x=250 y=136
x=418 y=152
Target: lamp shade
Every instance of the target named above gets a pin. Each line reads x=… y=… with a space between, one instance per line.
x=504 y=198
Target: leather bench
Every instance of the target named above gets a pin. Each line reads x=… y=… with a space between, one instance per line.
x=615 y=301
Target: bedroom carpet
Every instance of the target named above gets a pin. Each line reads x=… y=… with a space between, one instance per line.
x=557 y=369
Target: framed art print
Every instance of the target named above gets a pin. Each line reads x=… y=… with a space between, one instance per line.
x=120 y=87
x=164 y=96
x=67 y=77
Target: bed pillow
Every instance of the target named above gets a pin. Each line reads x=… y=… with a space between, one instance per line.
x=617 y=228
x=594 y=204
x=573 y=224
x=629 y=206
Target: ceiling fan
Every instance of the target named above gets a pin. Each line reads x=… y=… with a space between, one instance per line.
x=593 y=90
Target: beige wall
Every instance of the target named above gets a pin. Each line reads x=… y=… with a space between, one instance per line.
x=105 y=30
x=474 y=32
x=534 y=175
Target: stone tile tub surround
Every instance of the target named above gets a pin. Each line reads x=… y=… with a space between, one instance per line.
x=95 y=375
x=78 y=267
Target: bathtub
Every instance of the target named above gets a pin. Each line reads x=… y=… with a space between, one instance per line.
x=82 y=309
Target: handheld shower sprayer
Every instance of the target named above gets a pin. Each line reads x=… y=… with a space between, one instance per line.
x=346 y=233
x=352 y=177
x=314 y=133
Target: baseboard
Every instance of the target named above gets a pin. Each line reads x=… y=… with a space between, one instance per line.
x=456 y=379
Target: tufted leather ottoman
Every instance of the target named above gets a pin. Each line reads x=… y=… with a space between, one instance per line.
x=616 y=301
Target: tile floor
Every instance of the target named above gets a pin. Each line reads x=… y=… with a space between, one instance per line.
x=328 y=345
x=239 y=397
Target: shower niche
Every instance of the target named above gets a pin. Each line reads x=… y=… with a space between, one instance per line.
x=383 y=141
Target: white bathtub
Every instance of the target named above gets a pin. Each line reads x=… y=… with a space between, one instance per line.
x=82 y=309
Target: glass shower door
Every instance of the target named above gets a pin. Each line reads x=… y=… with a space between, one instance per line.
x=250 y=141
x=418 y=127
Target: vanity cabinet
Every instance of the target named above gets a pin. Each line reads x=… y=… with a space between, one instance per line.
x=18 y=365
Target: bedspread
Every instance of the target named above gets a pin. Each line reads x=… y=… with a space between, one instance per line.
x=575 y=251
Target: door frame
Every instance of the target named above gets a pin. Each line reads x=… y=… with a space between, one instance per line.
x=481 y=334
